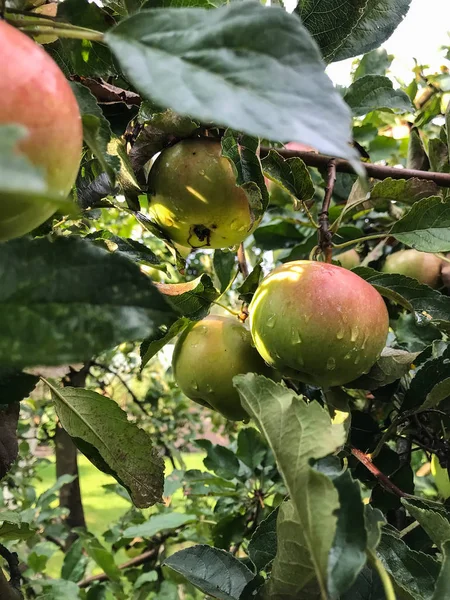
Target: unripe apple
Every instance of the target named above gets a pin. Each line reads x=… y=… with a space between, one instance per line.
x=318 y=323
x=424 y=267
x=207 y=356
x=35 y=94
x=194 y=198
x=348 y=259
x=441 y=477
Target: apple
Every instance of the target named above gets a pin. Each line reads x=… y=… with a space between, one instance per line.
x=424 y=267
x=194 y=198
x=207 y=355
x=318 y=323
x=348 y=259
x=36 y=94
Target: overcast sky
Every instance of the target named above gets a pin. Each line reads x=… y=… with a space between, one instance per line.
x=425 y=28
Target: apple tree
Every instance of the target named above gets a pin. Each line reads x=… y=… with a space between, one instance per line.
x=184 y=178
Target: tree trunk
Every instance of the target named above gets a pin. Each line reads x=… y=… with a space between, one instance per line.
x=67 y=464
x=69 y=494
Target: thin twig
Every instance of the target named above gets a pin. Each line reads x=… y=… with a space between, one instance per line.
x=389 y=591
x=243 y=266
x=134 y=562
x=312 y=159
x=382 y=478
x=325 y=234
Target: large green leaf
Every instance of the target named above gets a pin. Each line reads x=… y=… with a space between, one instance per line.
x=251 y=447
x=152 y=345
x=407 y=191
x=297 y=432
x=64 y=300
x=368 y=586
x=375 y=92
x=431 y=383
x=219 y=459
x=436 y=523
x=376 y=62
x=215 y=572
x=428 y=305
x=443 y=581
x=348 y=553
x=414 y=572
x=58 y=589
x=426 y=226
x=392 y=364
x=351 y=27
x=240 y=56
x=262 y=548
x=292 y=174
x=193 y=298
x=14 y=525
x=102 y=431
x=158 y=523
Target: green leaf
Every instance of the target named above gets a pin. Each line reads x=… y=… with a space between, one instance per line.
x=392 y=365
x=368 y=586
x=164 y=52
x=436 y=523
x=243 y=156
x=106 y=432
x=65 y=300
x=262 y=548
x=96 y=129
x=292 y=174
x=19 y=178
x=148 y=577
x=213 y=571
x=15 y=385
x=374 y=92
x=347 y=29
x=439 y=158
x=126 y=247
x=348 y=553
x=417 y=156
x=206 y=484
x=407 y=191
x=431 y=383
x=250 y=285
x=225 y=268
x=101 y=556
x=152 y=345
x=219 y=459
x=251 y=447
x=414 y=572
x=281 y=234
x=297 y=432
x=192 y=299
x=58 y=589
x=158 y=523
x=428 y=305
x=376 y=62
x=159 y=130
x=14 y=526
x=443 y=581
x=75 y=562
x=374 y=520
x=426 y=226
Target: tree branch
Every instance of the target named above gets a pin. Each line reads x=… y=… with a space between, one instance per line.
x=377 y=171
x=366 y=460
x=325 y=234
x=134 y=562
x=10 y=590
x=243 y=267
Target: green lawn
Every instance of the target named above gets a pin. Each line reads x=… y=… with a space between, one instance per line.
x=101 y=507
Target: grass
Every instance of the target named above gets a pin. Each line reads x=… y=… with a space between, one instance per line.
x=101 y=508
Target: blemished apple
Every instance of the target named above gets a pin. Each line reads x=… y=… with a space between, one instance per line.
x=194 y=198
x=36 y=95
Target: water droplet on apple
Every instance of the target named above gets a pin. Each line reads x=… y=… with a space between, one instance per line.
x=296 y=338
x=347 y=356
x=331 y=363
x=208 y=389
x=271 y=321
x=194 y=385
x=357 y=359
x=340 y=333
x=354 y=334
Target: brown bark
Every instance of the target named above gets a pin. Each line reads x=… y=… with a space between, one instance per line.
x=7 y=591
x=69 y=494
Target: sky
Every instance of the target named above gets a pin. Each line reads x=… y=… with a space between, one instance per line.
x=425 y=28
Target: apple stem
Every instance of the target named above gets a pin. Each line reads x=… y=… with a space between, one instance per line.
x=243 y=266
x=62 y=31
x=325 y=235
